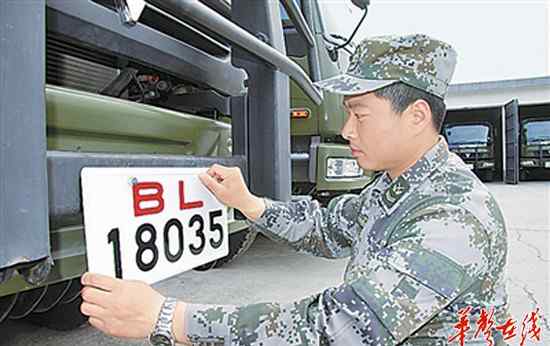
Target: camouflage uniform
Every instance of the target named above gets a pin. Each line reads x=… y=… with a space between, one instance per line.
x=421 y=247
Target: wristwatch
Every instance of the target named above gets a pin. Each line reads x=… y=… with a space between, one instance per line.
x=162 y=334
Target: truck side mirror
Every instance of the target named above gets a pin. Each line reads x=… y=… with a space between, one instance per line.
x=362 y=4
x=333 y=54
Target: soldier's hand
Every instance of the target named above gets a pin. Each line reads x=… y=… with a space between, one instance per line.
x=227 y=184
x=125 y=308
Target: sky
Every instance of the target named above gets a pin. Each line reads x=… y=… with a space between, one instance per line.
x=494 y=39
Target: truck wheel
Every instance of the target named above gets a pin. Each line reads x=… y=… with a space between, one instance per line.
x=66 y=314
x=6 y=304
x=62 y=317
x=523 y=175
x=238 y=244
x=26 y=302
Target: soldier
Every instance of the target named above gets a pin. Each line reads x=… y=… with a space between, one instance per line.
x=426 y=238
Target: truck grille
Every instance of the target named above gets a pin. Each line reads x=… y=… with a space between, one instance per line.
x=76 y=67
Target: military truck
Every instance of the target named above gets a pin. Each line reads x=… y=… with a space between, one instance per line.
x=474 y=134
x=322 y=165
x=171 y=83
x=474 y=143
x=534 y=139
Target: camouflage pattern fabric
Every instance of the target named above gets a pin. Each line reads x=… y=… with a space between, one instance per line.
x=422 y=247
x=416 y=60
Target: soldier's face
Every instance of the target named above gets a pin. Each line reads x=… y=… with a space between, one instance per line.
x=377 y=135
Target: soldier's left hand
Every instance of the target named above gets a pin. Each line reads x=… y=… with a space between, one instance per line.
x=121 y=308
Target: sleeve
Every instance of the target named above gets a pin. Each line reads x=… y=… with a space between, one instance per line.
x=307 y=227
x=439 y=257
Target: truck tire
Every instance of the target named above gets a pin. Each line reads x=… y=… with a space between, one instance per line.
x=523 y=175
x=26 y=302
x=62 y=317
x=65 y=315
x=239 y=242
x=6 y=304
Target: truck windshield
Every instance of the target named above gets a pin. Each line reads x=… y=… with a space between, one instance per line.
x=467 y=134
x=537 y=131
x=331 y=16
x=332 y=13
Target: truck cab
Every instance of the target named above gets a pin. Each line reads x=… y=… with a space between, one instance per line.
x=474 y=143
x=534 y=147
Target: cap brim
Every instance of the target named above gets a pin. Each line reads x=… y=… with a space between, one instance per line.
x=345 y=84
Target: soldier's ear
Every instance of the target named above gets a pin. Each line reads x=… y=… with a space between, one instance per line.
x=419 y=116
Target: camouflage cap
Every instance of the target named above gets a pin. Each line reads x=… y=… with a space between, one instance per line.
x=417 y=60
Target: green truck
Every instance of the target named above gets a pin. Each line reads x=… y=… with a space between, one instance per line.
x=474 y=142
x=475 y=134
x=322 y=165
x=534 y=142
x=535 y=146
x=116 y=83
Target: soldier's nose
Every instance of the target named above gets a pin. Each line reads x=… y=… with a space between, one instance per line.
x=348 y=129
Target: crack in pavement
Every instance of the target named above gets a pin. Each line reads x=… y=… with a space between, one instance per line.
x=529 y=245
x=531 y=296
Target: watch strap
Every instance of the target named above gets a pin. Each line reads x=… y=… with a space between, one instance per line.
x=165 y=319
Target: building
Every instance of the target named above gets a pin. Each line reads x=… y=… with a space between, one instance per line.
x=501 y=128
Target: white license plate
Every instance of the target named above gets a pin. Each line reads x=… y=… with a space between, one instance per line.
x=470 y=165
x=150 y=223
x=547 y=164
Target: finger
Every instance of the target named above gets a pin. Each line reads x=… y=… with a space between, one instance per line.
x=96 y=296
x=210 y=171
x=218 y=177
x=104 y=282
x=92 y=310
x=97 y=323
x=212 y=184
x=219 y=170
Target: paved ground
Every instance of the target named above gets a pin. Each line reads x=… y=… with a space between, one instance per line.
x=526 y=208
x=273 y=272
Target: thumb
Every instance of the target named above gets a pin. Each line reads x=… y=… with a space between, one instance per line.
x=211 y=184
x=218 y=170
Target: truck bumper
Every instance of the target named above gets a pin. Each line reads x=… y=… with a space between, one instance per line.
x=529 y=162
x=69 y=255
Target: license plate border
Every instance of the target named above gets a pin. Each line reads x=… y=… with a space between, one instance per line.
x=87 y=172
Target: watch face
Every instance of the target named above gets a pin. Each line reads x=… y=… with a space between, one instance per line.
x=160 y=340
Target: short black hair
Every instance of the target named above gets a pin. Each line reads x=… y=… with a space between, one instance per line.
x=401 y=96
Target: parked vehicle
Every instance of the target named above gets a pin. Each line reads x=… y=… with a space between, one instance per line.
x=476 y=135
x=474 y=143
x=535 y=148
x=169 y=83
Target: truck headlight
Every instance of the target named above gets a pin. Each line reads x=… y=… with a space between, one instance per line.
x=528 y=163
x=343 y=168
x=485 y=164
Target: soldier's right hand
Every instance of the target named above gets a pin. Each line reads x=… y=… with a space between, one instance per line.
x=227 y=184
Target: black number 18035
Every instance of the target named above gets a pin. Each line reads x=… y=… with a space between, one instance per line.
x=196 y=222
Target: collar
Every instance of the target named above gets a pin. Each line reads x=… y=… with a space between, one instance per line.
x=407 y=182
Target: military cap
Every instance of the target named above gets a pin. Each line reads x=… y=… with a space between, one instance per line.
x=416 y=60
